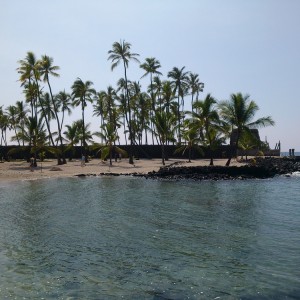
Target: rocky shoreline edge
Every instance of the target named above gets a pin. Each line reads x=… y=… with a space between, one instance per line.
x=258 y=168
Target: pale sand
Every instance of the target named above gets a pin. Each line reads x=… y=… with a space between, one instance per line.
x=20 y=170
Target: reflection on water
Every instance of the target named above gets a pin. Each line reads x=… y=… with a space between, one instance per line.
x=107 y=238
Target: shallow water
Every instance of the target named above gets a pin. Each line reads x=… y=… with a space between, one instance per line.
x=132 y=238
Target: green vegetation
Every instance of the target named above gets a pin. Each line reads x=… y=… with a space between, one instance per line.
x=156 y=115
x=238 y=113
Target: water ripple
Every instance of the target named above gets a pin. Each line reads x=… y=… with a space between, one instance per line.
x=110 y=238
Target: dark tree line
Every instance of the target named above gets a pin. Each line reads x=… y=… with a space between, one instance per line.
x=156 y=115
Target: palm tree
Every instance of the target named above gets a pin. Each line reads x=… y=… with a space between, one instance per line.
x=151 y=66
x=81 y=93
x=143 y=108
x=121 y=53
x=22 y=111
x=206 y=119
x=157 y=86
x=134 y=93
x=40 y=141
x=164 y=129
x=46 y=68
x=155 y=91
x=30 y=91
x=213 y=139
x=72 y=136
x=123 y=104
x=12 y=113
x=122 y=113
x=238 y=112
x=191 y=135
x=26 y=70
x=4 y=125
x=47 y=107
x=109 y=135
x=64 y=103
x=30 y=73
x=195 y=86
x=106 y=107
x=99 y=108
x=167 y=95
x=247 y=142
x=180 y=84
x=35 y=135
x=107 y=99
x=87 y=133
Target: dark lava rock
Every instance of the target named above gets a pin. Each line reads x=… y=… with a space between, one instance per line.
x=258 y=168
x=86 y=175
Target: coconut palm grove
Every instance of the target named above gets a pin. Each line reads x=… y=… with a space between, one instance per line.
x=126 y=113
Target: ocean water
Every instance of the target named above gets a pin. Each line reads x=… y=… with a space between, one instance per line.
x=132 y=238
x=287 y=153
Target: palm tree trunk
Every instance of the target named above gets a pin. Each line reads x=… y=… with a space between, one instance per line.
x=146 y=137
x=192 y=102
x=190 y=153
x=43 y=110
x=16 y=135
x=83 y=131
x=178 y=116
x=163 y=153
x=124 y=132
x=234 y=150
x=228 y=161
x=152 y=96
x=129 y=119
x=110 y=155
x=58 y=127
x=231 y=154
x=23 y=142
x=62 y=120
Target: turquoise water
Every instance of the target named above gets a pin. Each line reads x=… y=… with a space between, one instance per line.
x=132 y=238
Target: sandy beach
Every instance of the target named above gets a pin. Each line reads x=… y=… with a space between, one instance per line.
x=20 y=170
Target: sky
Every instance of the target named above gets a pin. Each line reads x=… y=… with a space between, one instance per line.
x=252 y=47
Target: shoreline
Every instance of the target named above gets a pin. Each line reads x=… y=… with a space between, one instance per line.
x=151 y=168
x=20 y=170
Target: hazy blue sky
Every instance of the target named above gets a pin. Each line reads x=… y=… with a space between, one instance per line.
x=250 y=46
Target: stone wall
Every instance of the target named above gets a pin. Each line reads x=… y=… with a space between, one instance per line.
x=139 y=151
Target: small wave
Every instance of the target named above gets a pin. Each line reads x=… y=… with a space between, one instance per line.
x=293 y=174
